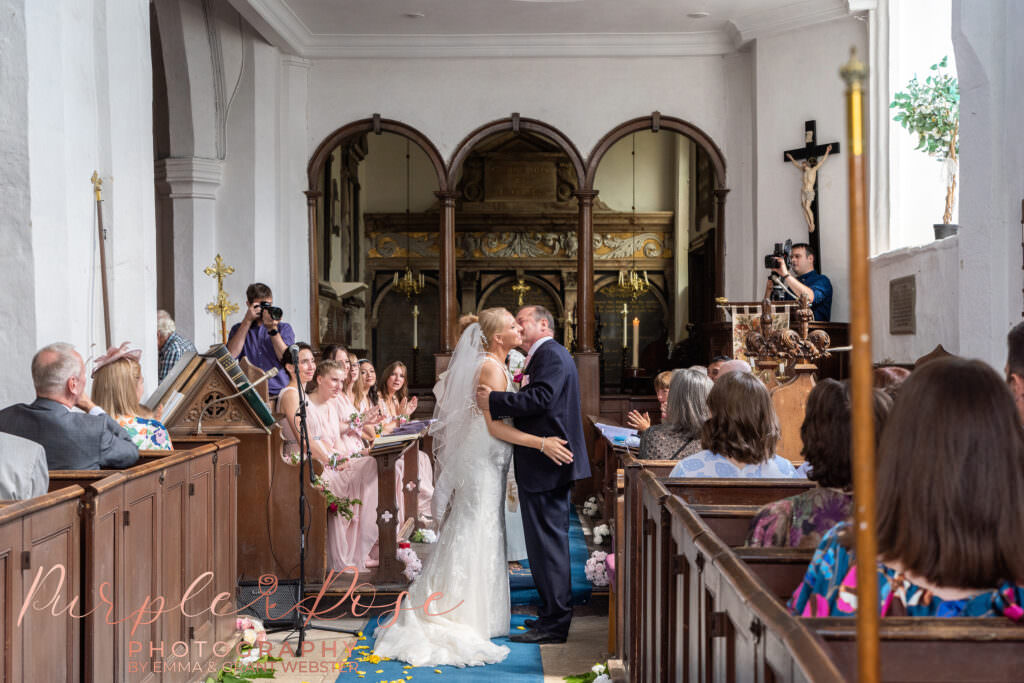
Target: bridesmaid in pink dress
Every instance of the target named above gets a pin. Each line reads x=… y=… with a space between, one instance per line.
x=397 y=408
x=350 y=542
x=345 y=545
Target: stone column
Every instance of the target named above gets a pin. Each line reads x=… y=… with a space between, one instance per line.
x=446 y=280
x=720 y=241
x=190 y=184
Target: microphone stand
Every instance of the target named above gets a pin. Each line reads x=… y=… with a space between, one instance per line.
x=305 y=460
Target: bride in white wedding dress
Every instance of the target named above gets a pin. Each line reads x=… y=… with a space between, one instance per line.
x=467 y=567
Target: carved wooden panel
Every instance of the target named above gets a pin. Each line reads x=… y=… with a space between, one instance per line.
x=52 y=651
x=200 y=549
x=11 y=636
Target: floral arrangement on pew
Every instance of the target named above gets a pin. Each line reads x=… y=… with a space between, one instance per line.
x=250 y=664
x=423 y=536
x=597 y=674
x=596 y=569
x=601 y=532
x=591 y=507
x=413 y=566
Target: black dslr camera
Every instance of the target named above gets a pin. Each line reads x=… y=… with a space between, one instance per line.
x=273 y=311
x=783 y=252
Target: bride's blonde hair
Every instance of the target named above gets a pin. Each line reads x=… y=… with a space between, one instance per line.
x=492 y=322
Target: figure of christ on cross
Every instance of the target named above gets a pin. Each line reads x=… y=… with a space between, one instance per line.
x=806 y=159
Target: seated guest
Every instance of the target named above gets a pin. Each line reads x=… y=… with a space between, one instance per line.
x=715 y=366
x=728 y=366
x=889 y=379
x=23 y=472
x=261 y=337
x=800 y=521
x=678 y=436
x=397 y=407
x=172 y=345
x=73 y=440
x=642 y=421
x=949 y=485
x=117 y=387
x=366 y=391
x=740 y=435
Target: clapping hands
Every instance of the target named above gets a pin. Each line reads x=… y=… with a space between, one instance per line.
x=641 y=422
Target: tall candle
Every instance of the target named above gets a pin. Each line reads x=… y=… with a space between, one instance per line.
x=625 y=326
x=636 y=342
x=415 y=326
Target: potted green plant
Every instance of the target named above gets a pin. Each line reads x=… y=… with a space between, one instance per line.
x=930 y=109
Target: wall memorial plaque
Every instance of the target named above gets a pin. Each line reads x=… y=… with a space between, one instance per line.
x=519 y=179
x=903 y=305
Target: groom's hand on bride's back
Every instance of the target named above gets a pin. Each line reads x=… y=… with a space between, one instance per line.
x=483 y=393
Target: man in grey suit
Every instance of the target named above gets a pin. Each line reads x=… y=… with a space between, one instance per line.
x=73 y=440
x=23 y=472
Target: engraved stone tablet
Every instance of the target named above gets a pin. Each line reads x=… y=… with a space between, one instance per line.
x=903 y=305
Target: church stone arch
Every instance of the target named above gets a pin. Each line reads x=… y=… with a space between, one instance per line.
x=515 y=124
x=656 y=122
x=376 y=125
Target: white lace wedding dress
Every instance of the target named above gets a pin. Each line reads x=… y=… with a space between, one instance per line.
x=467 y=565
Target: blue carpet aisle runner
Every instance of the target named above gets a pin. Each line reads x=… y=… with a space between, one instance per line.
x=521 y=584
x=523 y=663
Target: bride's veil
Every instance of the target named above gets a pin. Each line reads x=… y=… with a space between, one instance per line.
x=454 y=413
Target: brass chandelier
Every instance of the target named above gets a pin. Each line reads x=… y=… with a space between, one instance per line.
x=408 y=283
x=631 y=282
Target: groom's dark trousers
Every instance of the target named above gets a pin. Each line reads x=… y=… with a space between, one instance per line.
x=549 y=405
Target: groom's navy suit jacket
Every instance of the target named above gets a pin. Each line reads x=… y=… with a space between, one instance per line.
x=549 y=405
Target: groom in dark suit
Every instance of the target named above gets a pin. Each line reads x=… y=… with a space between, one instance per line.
x=548 y=405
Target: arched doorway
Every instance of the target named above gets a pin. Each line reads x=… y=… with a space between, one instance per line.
x=685 y=181
x=373 y=213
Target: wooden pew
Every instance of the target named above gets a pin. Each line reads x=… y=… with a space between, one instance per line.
x=983 y=650
x=717 y=620
x=711 y=491
x=35 y=535
x=780 y=569
x=729 y=522
x=149 y=531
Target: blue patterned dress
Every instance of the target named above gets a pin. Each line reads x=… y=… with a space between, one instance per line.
x=829 y=589
x=708 y=464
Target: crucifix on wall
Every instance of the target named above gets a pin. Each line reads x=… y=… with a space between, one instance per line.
x=806 y=160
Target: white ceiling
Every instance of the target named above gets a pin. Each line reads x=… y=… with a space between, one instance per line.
x=379 y=28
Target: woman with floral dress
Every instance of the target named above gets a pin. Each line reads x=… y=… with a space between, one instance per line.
x=949 y=484
x=118 y=387
x=800 y=521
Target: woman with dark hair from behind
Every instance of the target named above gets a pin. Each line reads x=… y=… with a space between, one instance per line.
x=949 y=484
x=801 y=520
x=678 y=436
x=740 y=435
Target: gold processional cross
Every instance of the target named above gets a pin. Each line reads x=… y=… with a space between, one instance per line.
x=521 y=288
x=222 y=306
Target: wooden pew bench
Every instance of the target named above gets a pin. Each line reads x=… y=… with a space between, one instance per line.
x=729 y=522
x=151 y=530
x=940 y=650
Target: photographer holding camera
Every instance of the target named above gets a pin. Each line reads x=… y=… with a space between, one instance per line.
x=793 y=268
x=261 y=336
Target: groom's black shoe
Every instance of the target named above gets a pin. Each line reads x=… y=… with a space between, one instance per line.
x=537 y=638
x=529 y=623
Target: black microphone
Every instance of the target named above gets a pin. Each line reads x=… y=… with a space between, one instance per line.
x=293 y=355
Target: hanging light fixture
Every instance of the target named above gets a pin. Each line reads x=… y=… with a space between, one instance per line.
x=631 y=282
x=408 y=283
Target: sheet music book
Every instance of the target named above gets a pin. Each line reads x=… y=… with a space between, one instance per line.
x=167 y=392
x=394 y=438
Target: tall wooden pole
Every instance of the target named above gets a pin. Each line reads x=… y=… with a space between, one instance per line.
x=314 y=276
x=97 y=183
x=869 y=671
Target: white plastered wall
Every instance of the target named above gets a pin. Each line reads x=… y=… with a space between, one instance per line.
x=797 y=80
x=89 y=109
x=584 y=98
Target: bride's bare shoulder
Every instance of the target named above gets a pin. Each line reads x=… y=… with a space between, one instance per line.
x=493 y=375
